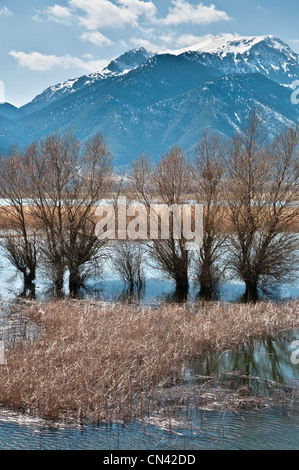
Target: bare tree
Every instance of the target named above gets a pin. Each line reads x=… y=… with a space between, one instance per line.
x=208 y=171
x=263 y=200
x=168 y=183
x=128 y=263
x=19 y=227
x=93 y=181
x=65 y=186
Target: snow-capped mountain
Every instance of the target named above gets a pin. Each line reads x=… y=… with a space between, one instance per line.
x=226 y=44
x=267 y=55
x=119 y=66
x=128 y=61
x=146 y=101
x=61 y=90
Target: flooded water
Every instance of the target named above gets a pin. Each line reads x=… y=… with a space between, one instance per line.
x=244 y=399
x=267 y=430
x=259 y=374
x=109 y=287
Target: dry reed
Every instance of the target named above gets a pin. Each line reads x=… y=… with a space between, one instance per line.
x=99 y=362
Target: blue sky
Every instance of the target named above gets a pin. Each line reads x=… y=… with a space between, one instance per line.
x=43 y=42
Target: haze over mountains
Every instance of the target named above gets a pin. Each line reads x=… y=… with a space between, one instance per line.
x=150 y=101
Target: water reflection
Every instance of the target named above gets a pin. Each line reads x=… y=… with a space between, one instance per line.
x=132 y=295
x=110 y=288
x=28 y=293
x=269 y=430
x=260 y=368
x=154 y=291
x=263 y=366
x=177 y=296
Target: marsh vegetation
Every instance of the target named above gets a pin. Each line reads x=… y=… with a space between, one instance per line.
x=94 y=362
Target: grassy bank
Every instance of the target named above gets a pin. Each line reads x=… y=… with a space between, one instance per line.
x=100 y=362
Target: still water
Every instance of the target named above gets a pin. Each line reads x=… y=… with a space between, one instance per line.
x=108 y=287
x=272 y=422
x=244 y=399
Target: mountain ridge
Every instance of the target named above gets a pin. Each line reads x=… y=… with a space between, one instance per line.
x=232 y=46
x=147 y=101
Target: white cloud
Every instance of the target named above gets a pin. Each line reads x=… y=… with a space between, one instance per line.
x=184 y=12
x=59 y=13
x=146 y=43
x=140 y=8
x=98 y=14
x=56 y=13
x=104 y=14
x=186 y=40
x=97 y=38
x=5 y=11
x=36 y=60
x=43 y=62
x=171 y=42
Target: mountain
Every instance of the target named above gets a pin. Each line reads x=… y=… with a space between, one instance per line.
x=8 y=111
x=147 y=101
x=61 y=90
x=267 y=55
x=128 y=61
x=123 y=64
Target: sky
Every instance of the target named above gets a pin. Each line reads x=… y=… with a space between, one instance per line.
x=44 y=42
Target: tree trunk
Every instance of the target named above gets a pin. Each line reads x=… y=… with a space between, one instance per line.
x=29 y=278
x=207 y=282
x=28 y=292
x=58 y=286
x=182 y=282
x=75 y=282
x=206 y=292
x=251 y=293
x=179 y=295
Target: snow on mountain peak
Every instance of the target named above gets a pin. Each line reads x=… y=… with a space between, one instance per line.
x=128 y=61
x=230 y=54
x=227 y=53
x=232 y=44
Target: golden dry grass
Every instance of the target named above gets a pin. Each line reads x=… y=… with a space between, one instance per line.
x=96 y=362
x=7 y=220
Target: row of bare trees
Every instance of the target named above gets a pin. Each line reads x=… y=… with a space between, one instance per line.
x=263 y=206
x=249 y=188
x=50 y=190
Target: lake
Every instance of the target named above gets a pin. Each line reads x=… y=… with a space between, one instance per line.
x=109 y=287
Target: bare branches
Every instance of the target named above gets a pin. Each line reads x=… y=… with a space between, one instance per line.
x=168 y=183
x=249 y=189
x=63 y=184
x=208 y=171
x=128 y=264
x=20 y=230
x=263 y=193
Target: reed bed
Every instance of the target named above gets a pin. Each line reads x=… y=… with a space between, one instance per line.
x=96 y=362
x=7 y=220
